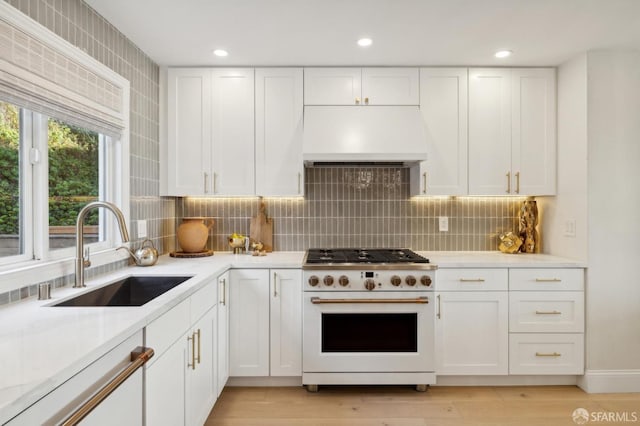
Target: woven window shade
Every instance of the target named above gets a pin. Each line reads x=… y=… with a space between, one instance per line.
x=38 y=76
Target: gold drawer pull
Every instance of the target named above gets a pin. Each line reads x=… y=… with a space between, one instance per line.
x=471 y=280
x=548 y=280
x=554 y=354
x=548 y=313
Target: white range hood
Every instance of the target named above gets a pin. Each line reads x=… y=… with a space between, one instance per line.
x=364 y=134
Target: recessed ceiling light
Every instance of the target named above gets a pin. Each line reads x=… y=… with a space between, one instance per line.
x=220 y=52
x=503 y=53
x=364 y=42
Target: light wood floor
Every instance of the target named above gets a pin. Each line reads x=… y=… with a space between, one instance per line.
x=403 y=406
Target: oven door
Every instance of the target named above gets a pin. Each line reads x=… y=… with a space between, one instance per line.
x=368 y=332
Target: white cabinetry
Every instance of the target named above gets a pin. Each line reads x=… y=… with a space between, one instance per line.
x=361 y=86
x=265 y=322
x=278 y=106
x=187 y=166
x=232 y=133
x=472 y=322
x=210 y=140
x=222 y=373
x=181 y=383
x=122 y=407
x=443 y=105
x=512 y=139
x=546 y=321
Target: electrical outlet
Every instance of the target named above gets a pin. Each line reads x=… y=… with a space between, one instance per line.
x=142 y=229
x=443 y=223
x=570 y=228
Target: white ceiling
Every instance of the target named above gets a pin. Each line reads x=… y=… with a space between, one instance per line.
x=404 y=32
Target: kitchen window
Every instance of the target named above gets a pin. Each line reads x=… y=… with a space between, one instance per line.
x=49 y=170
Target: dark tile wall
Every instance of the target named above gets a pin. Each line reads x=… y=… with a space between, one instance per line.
x=363 y=207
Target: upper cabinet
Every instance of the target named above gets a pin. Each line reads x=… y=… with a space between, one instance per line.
x=361 y=86
x=210 y=140
x=188 y=159
x=278 y=108
x=512 y=131
x=443 y=105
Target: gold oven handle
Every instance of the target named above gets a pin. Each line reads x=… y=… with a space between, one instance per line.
x=418 y=300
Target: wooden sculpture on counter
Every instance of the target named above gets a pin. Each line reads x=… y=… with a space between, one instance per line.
x=528 y=220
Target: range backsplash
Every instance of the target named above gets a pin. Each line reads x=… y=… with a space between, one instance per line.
x=362 y=207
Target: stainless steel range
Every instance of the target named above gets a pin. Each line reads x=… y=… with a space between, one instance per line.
x=368 y=318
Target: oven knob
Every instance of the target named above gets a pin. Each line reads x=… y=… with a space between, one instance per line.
x=396 y=280
x=411 y=280
x=343 y=281
x=328 y=280
x=426 y=280
x=369 y=284
x=313 y=281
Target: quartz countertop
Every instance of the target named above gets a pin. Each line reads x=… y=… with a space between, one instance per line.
x=43 y=346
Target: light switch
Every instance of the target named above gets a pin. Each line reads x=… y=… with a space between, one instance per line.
x=142 y=229
x=443 y=223
x=570 y=228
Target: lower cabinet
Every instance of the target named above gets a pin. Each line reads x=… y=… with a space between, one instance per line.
x=265 y=323
x=223 y=332
x=472 y=332
x=181 y=382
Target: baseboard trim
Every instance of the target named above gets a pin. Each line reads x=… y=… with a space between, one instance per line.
x=510 y=380
x=610 y=381
x=265 y=381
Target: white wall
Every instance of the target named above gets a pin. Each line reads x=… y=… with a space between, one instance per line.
x=613 y=292
x=571 y=201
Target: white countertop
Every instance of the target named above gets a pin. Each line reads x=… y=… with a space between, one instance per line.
x=43 y=346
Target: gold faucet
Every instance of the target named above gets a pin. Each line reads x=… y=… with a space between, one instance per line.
x=81 y=262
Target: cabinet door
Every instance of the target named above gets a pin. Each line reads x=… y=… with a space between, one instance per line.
x=332 y=86
x=200 y=379
x=390 y=86
x=443 y=104
x=279 y=166
x=534 y=130
x=472 y=333
x=249 y=322
x=165 y=387
x=188 y=160
x=222 y=350
x=286 y=322
x=490 y=132
x=232 y=132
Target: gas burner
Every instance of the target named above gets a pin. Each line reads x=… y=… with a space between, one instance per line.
x=351 y=258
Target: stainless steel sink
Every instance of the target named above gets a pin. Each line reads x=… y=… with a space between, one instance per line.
x=130 y=291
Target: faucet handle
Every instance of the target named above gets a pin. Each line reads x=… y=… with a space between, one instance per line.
x=86 y=260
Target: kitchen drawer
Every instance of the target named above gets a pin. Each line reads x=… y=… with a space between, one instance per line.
x=472 y=280
x=166 y=329
x=203 y=300
x=560 y=279
x=546 y=312
x=546 y=353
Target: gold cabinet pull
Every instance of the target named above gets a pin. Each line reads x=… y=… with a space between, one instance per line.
x=275 y=285
x=199 y=344
x=299 y=182
x=366 y=101
x=508 y=182
x=214 y=184
x=553 y=354
x=357 y=101
x=471 y=280
x=223 y=300
x=517 y=182
x=548 y=280
x=206 y=181
x=424 y=182
x=193 y=351
x=548 y=313
x=438 y=312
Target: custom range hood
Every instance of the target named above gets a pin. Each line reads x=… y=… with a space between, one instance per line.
x=363 y=135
